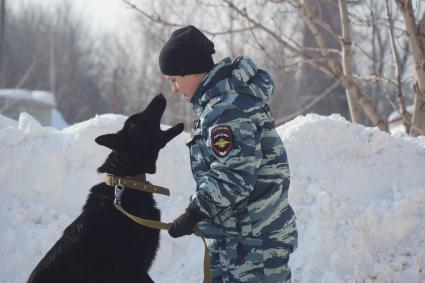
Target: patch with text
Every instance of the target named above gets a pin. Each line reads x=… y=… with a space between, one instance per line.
x=221 y=140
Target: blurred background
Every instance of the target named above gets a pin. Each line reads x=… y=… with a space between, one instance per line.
x=90 y=57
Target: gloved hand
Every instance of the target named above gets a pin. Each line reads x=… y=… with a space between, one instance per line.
x=183 y=225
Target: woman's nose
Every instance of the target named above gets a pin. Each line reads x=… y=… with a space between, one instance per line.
x=174 y=88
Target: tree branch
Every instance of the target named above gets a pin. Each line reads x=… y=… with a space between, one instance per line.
x=418 y=55
x=396 y=59
x=374 y=78
x=284 y=43
x=29 y=70
x=153 y=18
x=309 y=105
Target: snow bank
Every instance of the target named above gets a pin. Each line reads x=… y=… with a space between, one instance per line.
x=46 y=175
x=358 y=193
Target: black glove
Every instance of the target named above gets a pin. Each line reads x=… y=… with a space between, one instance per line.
x=183 y=225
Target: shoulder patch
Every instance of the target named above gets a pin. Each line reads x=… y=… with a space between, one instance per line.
x=221 y=140
x=214 y=101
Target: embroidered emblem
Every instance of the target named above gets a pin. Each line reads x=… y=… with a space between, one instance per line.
x=221 y=140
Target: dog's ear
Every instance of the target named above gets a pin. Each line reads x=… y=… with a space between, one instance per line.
x=111 y=141
x=171 y=133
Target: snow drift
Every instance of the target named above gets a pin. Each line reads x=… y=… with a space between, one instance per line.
x=358 y=193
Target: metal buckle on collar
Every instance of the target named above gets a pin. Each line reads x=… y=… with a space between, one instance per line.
x=119 y=190
x=109 y=179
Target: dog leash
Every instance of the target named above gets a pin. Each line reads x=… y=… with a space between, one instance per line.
x=126 y=182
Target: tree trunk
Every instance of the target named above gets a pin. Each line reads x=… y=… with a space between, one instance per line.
x=2 y=38
x=52 y=63
x=347 y=64
x=416 y=35
x=419 y=103
x=399 y=90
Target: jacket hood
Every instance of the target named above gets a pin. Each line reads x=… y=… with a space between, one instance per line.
x=241 y=76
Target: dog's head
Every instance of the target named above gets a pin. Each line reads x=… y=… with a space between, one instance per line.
x=136 y=146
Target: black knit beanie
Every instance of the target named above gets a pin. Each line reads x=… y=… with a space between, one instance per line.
x=188 y=51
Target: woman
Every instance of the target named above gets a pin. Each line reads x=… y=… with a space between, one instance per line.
x=238 y=161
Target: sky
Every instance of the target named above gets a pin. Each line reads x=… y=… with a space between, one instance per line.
x=108 y=14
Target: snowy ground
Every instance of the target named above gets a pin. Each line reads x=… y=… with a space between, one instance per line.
x=359 y=195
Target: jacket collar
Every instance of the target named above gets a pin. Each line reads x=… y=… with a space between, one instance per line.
x=203 y=93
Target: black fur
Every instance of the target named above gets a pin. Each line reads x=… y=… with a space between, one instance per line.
x=102 y=245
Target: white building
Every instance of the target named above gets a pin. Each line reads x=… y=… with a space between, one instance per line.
x=40 y=104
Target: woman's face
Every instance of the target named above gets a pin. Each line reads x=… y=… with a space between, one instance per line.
x=185 y=85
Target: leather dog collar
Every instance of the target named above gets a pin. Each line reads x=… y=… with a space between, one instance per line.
x=136 y=183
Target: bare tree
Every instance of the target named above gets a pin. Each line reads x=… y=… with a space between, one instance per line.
x=62 y=63
x=338 y=67
x=416 y=36
x=397 y=67
x=2 y=31
x=349 y=47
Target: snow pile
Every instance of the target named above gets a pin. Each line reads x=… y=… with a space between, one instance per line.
x=7 y=122
x=46 y=175
x=58 y=122
x=360 y=199
x=358 y=193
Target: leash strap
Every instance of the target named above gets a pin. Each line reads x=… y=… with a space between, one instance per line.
x=142 y=221
x=207 y=266
x=164 y=226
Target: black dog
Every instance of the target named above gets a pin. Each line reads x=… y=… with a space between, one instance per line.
x=102 y=245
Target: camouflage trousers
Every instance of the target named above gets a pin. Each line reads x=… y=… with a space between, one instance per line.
x=254 y=259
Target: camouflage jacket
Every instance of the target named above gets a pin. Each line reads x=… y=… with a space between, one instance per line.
x=238 y=160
